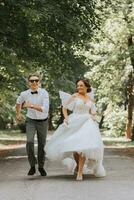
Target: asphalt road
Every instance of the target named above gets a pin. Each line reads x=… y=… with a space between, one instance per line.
x=61 y=185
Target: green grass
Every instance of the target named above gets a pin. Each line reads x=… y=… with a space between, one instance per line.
x=16 y=134
x=11 y=133
x=8 y=142
x=119 y=143
x=9 y=137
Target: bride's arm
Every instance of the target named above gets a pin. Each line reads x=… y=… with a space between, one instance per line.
x=65 y=114
x=71 y=99
x=93 y=117
x=93 y=111
x=64 y=109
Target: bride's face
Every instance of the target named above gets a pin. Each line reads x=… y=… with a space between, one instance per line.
x=81 y=88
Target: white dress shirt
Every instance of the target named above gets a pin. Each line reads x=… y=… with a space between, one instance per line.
x=41 y=99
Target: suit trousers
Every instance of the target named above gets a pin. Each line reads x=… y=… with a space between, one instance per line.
x=32 y=127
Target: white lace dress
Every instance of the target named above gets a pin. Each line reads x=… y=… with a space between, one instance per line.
x=80 y=135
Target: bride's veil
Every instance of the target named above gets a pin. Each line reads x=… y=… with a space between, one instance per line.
x=91 y=94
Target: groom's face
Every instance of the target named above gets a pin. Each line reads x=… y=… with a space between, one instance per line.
x=34 y=82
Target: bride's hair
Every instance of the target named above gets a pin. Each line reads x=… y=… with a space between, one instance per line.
x=86 y=83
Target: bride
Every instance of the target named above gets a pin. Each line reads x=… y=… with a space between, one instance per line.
x=77 y=141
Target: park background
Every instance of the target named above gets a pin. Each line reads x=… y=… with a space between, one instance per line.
x=63 y=41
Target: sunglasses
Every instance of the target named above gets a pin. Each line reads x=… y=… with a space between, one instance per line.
x=32 y=81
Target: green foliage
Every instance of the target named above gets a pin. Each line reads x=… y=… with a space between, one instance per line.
x=63 y=40
x=42 y=35
x=114 y=121
x=109 y=57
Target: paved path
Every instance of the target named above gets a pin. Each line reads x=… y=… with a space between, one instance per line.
x=60 y=185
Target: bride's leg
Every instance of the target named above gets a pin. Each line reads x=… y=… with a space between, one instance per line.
x=76 y=157
x=80 y=166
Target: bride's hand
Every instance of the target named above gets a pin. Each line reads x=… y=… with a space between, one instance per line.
x=93 y=117
x=66 y=121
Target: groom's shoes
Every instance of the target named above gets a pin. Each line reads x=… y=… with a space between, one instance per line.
x=31 y=171
x=42 y=171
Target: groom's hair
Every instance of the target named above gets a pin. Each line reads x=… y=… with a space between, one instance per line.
x=31 y=75
x=86 y=83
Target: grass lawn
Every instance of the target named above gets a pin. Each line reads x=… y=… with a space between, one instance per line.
x=11 y=137
x=11 y=134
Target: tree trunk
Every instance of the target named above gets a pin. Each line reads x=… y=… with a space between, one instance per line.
x=130 y=113
x=50 y=125
x=61 y=119
x=130 y=91
x=101 y=121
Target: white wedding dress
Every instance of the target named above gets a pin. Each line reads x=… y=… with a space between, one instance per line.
x=80 y=135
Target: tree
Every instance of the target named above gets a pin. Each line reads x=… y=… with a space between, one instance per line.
x=110 y=61
x=43 y=35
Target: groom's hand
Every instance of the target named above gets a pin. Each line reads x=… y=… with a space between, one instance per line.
x=27 y=105
x=18 y=117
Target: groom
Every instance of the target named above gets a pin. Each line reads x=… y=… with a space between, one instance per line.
x=36 y=101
